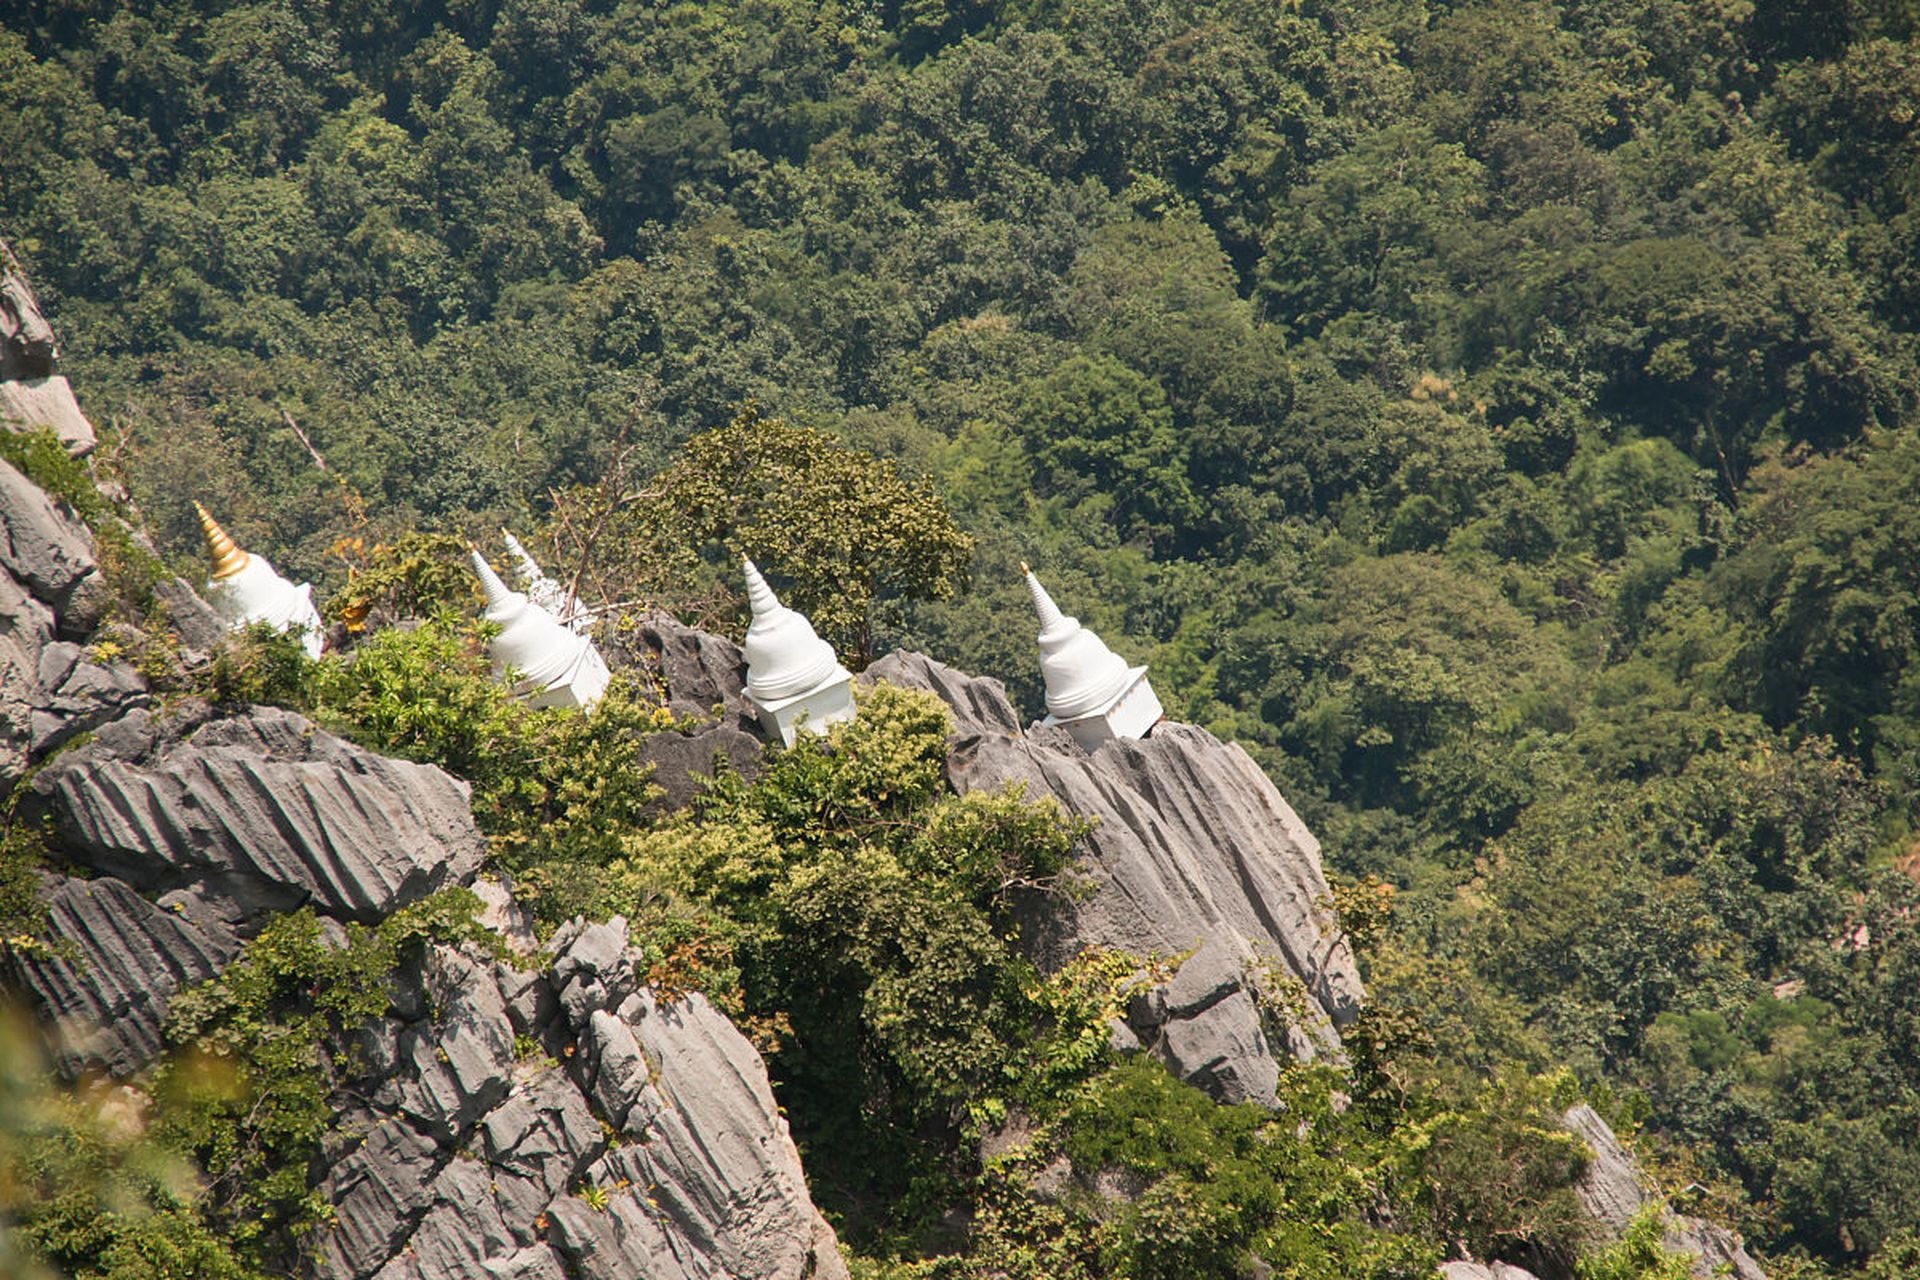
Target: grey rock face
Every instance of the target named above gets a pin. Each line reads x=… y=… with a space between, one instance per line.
x=648 y=1143
x=700 y=672
x=121 y=958
x=1614 y=1191
x=78 y=695
x=1484 y=1271
x=26 y=629
x=1195 y=852
x=49 y=587
x=28 y=404
x=979 y=703
x=27 y=346
x=200 y=629
x=683 y=763
x=1205 y=1024
x=651 y=1147
x=32 y=394
x=701 y=676
x=49 y=551
x=263 y=812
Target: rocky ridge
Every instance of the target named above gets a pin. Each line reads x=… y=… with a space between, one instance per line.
x=554 y=1121
x=547 y=1118
x=1195 y=855
x=555 y=1117
x=1615 y=1191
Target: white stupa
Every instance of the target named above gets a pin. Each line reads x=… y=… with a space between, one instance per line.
x=793 y=677
x=557 y=668
x=1090 y=688
x=542 y=590
x=244 y=588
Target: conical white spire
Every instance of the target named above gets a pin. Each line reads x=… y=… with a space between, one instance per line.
x=785 y=657
x=559 y=668
x=760 y=597
x=1052 y=621
x=540 y=589
x=1083 y=676
x=503 y=603
x=528 y=568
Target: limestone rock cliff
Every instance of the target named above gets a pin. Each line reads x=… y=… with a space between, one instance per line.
x=104 y=993
x=260 y=812
x=1484 y=1271
x=1615 y=1191
x=33 y=393
x=50 y=593
x=557 y=1120
x=1195 y=854
x=565 y=1123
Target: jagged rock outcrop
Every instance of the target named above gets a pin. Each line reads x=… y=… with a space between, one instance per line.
x=682 y=763
x=702 y=675
x=119 y=958
x=261 y=812
x=499 y=1103
x=47 y=550
x=32 y=391
x=50 y=592
x=1484 y=1271
x=1614 y=1191
x=78 y=695
x=703 y=679
x=537 y=1121
x=636 y=1138
x=26 y=629
x=1196 y=854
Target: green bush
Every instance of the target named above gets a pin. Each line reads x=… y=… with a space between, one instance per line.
x=554 y=789
x=1497 y=1176
x=1637 y=1255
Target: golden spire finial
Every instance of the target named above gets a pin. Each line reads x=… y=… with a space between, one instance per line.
x=228 y=559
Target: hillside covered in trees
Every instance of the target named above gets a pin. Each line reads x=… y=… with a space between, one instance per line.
x=1500 y=417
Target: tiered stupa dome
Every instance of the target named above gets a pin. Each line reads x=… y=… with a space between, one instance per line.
x=785 y=656
x=557 y=667
x=791 y=671
x=244 y=588
x=1082 y=675
x=1090 y=688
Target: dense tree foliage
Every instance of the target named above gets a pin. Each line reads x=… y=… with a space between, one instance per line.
x=1497 y=414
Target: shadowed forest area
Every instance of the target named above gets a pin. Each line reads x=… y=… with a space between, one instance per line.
x=1500 y=417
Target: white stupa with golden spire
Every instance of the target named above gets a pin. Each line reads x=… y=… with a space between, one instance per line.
x=1090 y=688
x=542 y=590
x=556 y=667
x=244 y=589
x=793 y=677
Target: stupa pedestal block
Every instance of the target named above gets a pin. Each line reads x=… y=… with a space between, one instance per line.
x=816 y=709
x=1132 y=715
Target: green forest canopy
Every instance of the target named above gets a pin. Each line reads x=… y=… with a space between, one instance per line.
x=1499 y=416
